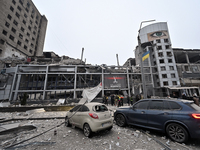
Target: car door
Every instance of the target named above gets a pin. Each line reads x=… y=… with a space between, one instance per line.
x=137 y=115
x=73 y=114
x=80 y=116
x=158 y=113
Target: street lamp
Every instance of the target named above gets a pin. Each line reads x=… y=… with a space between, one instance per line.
x=141 y=63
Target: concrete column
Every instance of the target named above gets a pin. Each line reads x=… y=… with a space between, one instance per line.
x=129 y=93
x=17 y=87
x=102 y=76
x=45 y=82
x=187 y=58
x=13 y=83
x=75 y=76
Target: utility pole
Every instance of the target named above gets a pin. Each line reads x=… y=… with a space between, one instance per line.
x=117 y=60
x=82 y=55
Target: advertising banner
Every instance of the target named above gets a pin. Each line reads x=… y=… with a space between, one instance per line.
x=115 y=81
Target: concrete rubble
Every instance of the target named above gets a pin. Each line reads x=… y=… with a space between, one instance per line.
x=129 y=138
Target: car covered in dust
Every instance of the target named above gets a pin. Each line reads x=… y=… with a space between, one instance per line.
x=91 y=117
x=180 y=119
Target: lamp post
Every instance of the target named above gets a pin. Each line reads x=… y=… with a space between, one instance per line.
x=141 y=63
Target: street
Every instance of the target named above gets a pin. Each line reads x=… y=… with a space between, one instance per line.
x=68 y=138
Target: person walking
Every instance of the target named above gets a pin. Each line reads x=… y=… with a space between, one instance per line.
x=119 y=101
x=128 y=100
x=131 y=100
x=116 y=100
x=105 y=100
x=112 y=99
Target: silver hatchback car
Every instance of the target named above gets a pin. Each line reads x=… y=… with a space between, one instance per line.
x=91 y=117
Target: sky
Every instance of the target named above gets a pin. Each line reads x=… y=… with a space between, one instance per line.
x=105 y=28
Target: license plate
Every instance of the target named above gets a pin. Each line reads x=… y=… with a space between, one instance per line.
x=105 y=124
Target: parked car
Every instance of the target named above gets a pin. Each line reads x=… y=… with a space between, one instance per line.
x=91 y=117
x=180 y=119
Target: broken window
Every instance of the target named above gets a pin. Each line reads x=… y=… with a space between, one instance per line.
x=28 y=34
x=25 y=47
x=169 y=60
x=165 y=83
x=166 y=40
x=21 y=2
x=164 y=75
x=31 y=51
x=166 y=46
x=29 y=28
x=25 y=16
x=7 y=24
x=21 y=36
x=160 y=54
x=13 y=1
x=2 y=42
x=186 y=68
x=4 y=32
x=159 y=47
x=19 y=8
x=11 y=37
x=171 y=67
x=158 y=40
x=195 y=68
x=11 y=8
x=163 y=68
x=174 y=82
x=22 y=29
x=169 y=54
x=28 y=4
x=26 y=41
x=173 y=75
x=17 y=15
x=162 y=61
x=9 y=17
x=13 y=30
x=15 y=22
x=24 y=22
x=27 y=10
x=19 y=43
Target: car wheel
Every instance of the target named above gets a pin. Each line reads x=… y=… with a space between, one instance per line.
x=177 y=132
x=120 y=120
x=67 y=123
x=86 y=130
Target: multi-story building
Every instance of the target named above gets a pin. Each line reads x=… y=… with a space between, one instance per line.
x=22 y=29
x=159 y=67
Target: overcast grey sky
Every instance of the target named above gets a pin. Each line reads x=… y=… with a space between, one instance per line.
x=109 y=27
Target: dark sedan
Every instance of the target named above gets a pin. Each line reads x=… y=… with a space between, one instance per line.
x=180 y=119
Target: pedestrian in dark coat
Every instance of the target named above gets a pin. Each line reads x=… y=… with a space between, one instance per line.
x=128 y=100
x=112 y=99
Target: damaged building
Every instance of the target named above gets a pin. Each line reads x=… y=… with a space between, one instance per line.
x=22 y=29
x=166 y=69
x=157 y=70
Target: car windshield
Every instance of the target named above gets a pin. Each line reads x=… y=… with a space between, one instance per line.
x=100 y=108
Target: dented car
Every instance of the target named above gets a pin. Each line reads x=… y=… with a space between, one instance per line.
x=91 y=117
